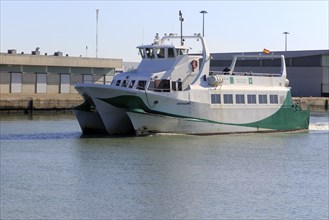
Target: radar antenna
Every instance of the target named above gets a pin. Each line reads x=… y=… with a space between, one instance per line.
x=181 y=28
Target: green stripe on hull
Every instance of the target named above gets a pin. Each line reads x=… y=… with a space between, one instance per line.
x=288 y=117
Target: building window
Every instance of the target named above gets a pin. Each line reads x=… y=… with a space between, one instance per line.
x=274 y=99
x=87 y=78
x=239 y=99
x=262 y=99
x=228 y=98
x=251 y=99
x=215 y=99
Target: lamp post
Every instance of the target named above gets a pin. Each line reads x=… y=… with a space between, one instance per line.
x=97 y=10
x=203 y=12
x=285 y=45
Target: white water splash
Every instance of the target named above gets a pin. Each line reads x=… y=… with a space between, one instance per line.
x=320 y=126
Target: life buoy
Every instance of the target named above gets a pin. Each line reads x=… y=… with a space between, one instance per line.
x=194 y=64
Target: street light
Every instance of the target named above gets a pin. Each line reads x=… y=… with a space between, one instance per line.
x=97 y=11
x=203 y=12
x=285 y=45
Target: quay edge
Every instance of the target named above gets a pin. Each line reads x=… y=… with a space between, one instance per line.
x=22 y=104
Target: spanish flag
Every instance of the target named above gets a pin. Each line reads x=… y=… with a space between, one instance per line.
x=266 y=51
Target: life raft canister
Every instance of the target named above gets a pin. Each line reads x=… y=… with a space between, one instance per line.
x=194 y=64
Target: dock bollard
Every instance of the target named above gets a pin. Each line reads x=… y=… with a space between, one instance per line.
x=30 y=107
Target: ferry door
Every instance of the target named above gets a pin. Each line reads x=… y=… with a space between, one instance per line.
x=41 y=86
x=86 y=78
x=16 y=82
x=65 y=82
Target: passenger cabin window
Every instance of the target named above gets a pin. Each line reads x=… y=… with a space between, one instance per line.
x=251 y=99
x=215 y=99
x=262 y=99
x=160 y=85
x=239 y=99
x=180 y=85
x=141 y=84
x=171 y=52
x=228 y=98
x=124 y=83
x=274 y=99
x=131 y=84
x=118 y=83
x=173 y=86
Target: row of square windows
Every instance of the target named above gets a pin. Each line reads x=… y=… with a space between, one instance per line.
x=240 y=99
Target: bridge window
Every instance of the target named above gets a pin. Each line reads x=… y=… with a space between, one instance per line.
x=118 y=83
x=160 y=52
x=141 y=51
x=171 y=52
x=181 y=52
x=149 y=53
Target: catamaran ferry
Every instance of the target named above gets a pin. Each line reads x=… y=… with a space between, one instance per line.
x=173 y=91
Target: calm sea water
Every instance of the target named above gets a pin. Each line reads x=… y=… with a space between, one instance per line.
x=48 y=171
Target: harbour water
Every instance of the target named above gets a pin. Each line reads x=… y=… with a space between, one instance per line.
x=49 y=171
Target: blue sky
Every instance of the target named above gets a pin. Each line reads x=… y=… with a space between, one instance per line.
x=230 y=26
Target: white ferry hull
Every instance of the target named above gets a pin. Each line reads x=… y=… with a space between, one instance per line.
x=145 y=124
x=114 y=120
x=90 y=122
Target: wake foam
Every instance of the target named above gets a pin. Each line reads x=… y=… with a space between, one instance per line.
x=320 y=126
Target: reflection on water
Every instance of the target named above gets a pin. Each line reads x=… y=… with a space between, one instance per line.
x=50 y=171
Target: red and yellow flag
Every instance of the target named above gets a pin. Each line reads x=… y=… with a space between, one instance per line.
x=266 y=51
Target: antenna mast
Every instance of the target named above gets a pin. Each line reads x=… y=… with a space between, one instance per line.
x=181 y=28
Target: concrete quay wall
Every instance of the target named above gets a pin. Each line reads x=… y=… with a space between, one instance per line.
x=315 y=103
x=33 y=103
x=14 y=103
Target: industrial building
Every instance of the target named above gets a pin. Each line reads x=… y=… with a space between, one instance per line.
x=52 y=74
x=307 y=71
